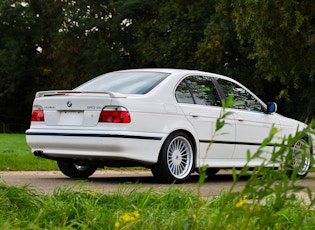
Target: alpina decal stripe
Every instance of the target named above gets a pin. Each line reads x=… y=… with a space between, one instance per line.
x=94 y=135
x=235 y=143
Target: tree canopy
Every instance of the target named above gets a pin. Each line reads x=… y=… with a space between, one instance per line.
x=267 y=45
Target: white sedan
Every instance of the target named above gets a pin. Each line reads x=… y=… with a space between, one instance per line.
x=163 y=119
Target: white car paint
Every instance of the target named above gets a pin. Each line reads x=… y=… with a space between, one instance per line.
x=74 y=132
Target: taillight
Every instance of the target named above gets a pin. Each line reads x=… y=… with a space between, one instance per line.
x=115 y=114
x=37 y=114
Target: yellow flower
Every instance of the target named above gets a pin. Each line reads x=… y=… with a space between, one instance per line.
x=127 y=217
x=240 y=203
x=136 y=214
x=195 y=217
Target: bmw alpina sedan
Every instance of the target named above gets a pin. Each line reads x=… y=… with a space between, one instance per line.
x=162 y=119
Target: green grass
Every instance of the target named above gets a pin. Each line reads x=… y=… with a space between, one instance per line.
x=16 y=155
x=267 y=201
x=22 y=208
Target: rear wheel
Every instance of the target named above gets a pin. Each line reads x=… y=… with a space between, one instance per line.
x=301 y=158
x=212 y=171
x=176 y=159
x=74 y=170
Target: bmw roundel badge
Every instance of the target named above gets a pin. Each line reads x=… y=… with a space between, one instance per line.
x=69 y=103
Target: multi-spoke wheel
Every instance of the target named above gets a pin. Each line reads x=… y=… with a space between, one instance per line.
x=301 y=158
x=176 y=159
x=74 y=170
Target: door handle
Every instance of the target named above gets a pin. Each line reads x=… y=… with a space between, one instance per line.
x=194 y=115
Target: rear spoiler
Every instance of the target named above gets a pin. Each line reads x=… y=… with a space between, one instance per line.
x=72 y=92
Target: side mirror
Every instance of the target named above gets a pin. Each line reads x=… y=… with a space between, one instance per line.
x=271 y=107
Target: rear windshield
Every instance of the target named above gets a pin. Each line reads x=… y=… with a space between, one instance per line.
x=124 y=82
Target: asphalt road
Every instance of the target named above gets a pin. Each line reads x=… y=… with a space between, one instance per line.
x=112 y=181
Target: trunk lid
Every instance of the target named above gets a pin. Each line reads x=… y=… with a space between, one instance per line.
x=73 y=108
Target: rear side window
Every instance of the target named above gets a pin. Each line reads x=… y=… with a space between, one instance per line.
x=197 y=90
x=124 y=82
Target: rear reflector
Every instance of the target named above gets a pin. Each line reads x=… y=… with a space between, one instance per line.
x=115 y=114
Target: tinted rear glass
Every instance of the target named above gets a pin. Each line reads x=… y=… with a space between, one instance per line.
x=124 y=82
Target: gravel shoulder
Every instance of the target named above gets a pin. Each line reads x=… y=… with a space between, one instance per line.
x=113 y=181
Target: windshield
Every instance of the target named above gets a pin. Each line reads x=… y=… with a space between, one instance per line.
x=124 y=82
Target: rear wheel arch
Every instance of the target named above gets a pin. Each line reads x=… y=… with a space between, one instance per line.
x=176 y=160
x=193 y=142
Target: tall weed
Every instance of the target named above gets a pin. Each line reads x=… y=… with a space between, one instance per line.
x=269 y=191
x=170 y=209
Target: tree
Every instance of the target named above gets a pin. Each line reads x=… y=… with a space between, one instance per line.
x=163 y=33
x=282 y=35
x=267 y=45
x=220 y=51
x=85 y=44
x=17 y=61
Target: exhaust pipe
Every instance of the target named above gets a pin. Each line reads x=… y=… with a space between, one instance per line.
x=39 y=154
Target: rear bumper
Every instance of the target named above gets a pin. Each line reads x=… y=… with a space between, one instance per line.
x=139 y=147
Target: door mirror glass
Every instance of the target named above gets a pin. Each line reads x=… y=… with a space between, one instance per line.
x=271 y=107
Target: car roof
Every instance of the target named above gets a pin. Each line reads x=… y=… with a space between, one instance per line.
x=173 y=71
x=188 y=71
x=165 y=70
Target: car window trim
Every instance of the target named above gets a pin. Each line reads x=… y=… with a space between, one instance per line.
x=224 y=96
x=211 y=79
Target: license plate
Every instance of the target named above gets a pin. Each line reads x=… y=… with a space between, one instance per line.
x=71 y=118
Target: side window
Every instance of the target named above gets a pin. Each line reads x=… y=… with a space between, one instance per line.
x=183 y=94
x=242 y=99
x=197 y=90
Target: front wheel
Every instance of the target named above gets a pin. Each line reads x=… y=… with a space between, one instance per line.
x=74 y=170
x=176 y=159
x=301 y=158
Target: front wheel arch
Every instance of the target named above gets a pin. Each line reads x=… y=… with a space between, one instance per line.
x=301 y=160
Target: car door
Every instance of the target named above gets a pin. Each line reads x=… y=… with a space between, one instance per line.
x=252 y=123
x=201 y=104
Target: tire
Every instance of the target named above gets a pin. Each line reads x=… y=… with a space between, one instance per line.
x=212 y=171
x=176 y=159
x=301 y=158
x=73 y=170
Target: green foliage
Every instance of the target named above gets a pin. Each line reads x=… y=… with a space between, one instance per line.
x=277 y=30
x=22 y=208
x=220 y=51
x=267 y=201
x=269 y=190
x=268 y=46
x=15 y=155
x=282 y=36
x=163 y=33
